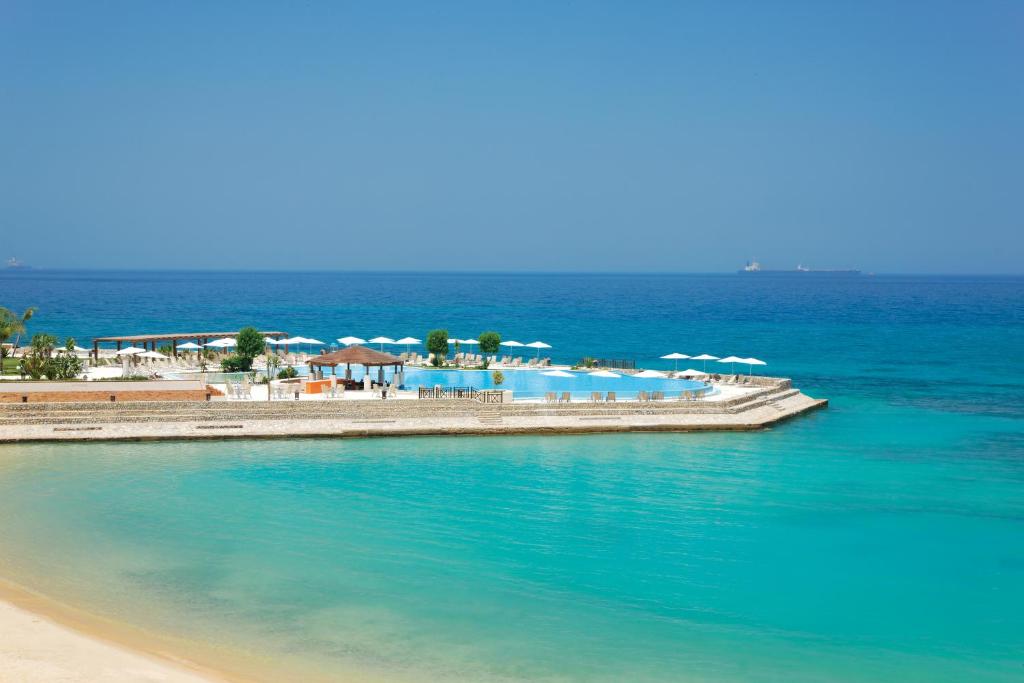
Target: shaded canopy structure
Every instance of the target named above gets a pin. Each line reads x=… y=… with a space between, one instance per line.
x=356 y=355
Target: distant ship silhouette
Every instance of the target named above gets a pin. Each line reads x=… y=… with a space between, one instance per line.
x=755 y=267
x=15 y=264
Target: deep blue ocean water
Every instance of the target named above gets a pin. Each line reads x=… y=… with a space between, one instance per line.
x=881 y=539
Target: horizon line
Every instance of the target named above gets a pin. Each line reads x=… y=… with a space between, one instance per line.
x=862 y=273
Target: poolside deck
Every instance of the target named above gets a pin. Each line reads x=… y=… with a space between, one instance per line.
x=279 y=419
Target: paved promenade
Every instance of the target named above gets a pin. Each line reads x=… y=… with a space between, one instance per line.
x=255 y=419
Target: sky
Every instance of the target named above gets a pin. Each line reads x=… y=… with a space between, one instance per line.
x=575 y=136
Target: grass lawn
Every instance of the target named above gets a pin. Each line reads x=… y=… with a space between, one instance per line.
x=11 y=366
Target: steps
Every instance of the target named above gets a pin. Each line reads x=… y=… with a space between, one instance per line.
x=489 y=417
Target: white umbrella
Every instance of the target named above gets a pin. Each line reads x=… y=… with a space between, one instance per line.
x=558 y=373
x=382 y=341
x=309 y=341
x=752 y=362
x=189 y=346
x=675 y=357
x=705 y=357
x=408 y=341
x=539 y=345
x=603 y=373
x=130 y=351
x=734 y=360
x=650 y=373
x=152 y=354
x=470 y=341
x=691 y=373
x=75 y=348
x=512 y=344
x=349 y=341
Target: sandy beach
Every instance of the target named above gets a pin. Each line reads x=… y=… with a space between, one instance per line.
x=44 y=641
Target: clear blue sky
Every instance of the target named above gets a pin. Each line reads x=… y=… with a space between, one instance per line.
x=513 y=135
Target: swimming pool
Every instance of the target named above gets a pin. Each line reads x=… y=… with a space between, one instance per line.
x=534 y=384
x=525 y=384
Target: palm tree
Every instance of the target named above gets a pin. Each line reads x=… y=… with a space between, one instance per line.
x=12 y=324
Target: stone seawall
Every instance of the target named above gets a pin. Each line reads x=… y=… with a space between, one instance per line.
x=219 y=419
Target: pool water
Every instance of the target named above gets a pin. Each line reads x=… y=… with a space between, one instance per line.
x=534 y=384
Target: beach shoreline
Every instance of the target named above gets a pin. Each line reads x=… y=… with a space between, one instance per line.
x=46 y=640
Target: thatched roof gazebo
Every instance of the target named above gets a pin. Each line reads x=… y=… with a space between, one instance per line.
x=356 y=355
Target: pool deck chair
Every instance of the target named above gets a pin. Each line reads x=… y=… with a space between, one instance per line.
x=549 y=397
x=610 y=397
x=566 y=397
x=595 y=396
x=642 y=396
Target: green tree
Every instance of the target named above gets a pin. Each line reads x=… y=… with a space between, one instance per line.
x=250 y=343
x=490 y=342
x=437 y=344
x=13 y=325
x=22 y=324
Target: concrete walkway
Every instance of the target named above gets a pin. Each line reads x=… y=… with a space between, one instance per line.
x=246 y=419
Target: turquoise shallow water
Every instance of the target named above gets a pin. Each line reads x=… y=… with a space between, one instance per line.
x=882 y=539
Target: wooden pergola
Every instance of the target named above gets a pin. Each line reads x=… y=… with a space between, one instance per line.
x=149 y=341
x=356 y=355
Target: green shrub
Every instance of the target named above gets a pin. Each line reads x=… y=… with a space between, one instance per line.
x=498 y=378
x=236 y=363
x=287 y=373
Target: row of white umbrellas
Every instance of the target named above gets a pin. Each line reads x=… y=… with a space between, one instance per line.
x=706 y=357
x=603 y=373
x=139 y=353
x=408 y=341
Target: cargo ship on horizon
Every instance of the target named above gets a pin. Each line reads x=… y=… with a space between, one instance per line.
x=755 y=267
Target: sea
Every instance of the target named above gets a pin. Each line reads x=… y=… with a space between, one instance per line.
x=880 y=539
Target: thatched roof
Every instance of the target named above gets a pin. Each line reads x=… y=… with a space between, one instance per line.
x=356 y=355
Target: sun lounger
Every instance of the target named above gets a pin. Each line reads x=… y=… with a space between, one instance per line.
x=610 y=397
x=550 y=397
x=658 y=396
x=686 y=396
x=595 y=396
x=642 y=396
x=229 y=390
x=566 y=397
